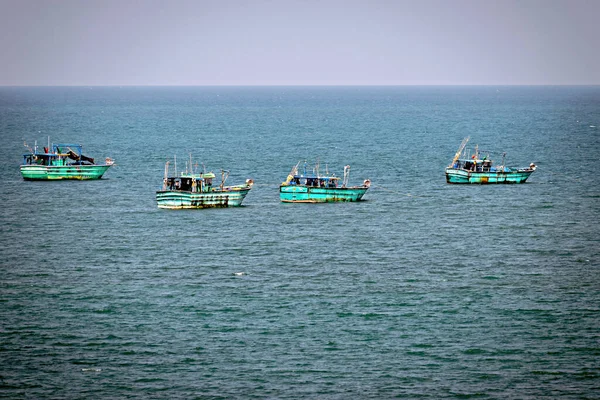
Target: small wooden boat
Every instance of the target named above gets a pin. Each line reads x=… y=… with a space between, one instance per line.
x=315 y=187
x=477 y=169
x=191 y=189
x=61 y=161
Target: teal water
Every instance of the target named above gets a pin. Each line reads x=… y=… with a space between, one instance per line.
x=422 y=290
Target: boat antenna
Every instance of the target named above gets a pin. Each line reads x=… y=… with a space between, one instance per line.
x=175 y=158
x=460 y=149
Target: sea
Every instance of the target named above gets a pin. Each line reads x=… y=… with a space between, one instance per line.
x=422 y=290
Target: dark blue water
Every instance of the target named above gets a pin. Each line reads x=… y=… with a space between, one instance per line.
x=422 y=290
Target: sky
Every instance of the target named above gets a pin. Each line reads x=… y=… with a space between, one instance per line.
x=299 y=42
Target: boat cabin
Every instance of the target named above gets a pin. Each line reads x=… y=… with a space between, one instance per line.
x=315 y=181
x=59 y=156
x=189 y=183
x=475 y=165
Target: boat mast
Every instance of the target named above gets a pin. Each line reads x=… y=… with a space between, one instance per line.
x=223 y=178
x=460 y=149
x=166 y=176
x=346 y=175
x=294 y=170
x=317 y=172
x=167 y=169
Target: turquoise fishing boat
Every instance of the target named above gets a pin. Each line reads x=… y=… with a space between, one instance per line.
x=314 y=187
x=193 y=190
x=478 y=169
x=61 y=161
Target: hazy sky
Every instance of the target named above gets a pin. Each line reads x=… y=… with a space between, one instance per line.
x=299 y=42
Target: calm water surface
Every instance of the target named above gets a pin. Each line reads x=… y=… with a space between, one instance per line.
x=422 y=290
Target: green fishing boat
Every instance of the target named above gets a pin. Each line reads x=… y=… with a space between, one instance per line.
x=194 y=190
x=478 y=169
x=61 y=161
x=312 y=186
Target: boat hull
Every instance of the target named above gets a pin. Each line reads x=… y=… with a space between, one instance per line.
x=176 y=199
x=306 y=194
x=50 y=172
x=463 y=176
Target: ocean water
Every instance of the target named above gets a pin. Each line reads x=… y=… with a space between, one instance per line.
x=422 y=290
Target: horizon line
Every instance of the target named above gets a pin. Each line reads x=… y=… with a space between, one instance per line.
x=314 y=85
